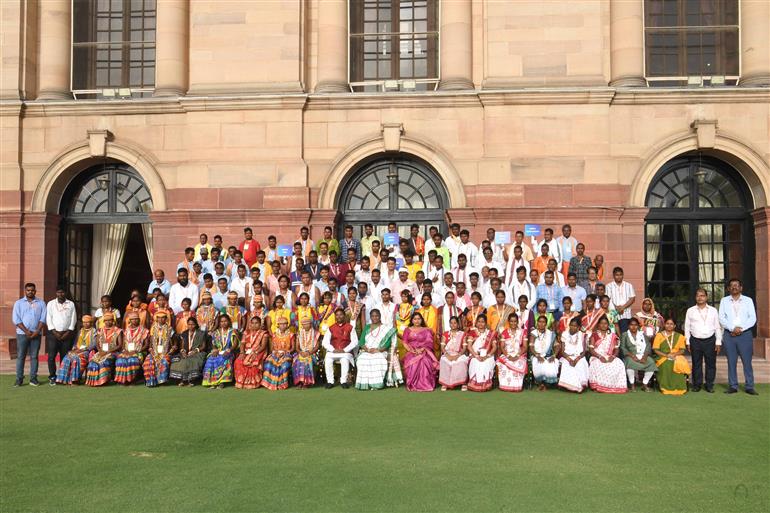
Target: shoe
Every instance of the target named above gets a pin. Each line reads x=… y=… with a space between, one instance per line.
x=328 y=386
x=52 y=382
x=347 y=385
x=709 y=389
x=34 y=383
x=645 y=388
x=695 y=388
x=731 y=391
x=17 y=383
x=751 y=391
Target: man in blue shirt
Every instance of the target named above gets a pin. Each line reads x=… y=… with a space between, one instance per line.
x=160 y=282
x=552 y=294
x=737 y=316
x=574 y=291
x=29 y=318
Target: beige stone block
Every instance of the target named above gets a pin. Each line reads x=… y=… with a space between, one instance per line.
x=315 y=135
x=284 y=134
x=494 y=171
x=344 y=134
x=242 y=175
x=173 y=137
x=550 y=170
x=242 y=135
x=291 y=174
x=202 y=136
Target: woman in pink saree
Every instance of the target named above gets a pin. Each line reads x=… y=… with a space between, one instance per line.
x=420 y=364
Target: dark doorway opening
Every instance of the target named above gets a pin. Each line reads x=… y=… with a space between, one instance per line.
x=135 y=271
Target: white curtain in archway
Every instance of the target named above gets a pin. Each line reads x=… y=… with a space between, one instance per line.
x=653 y=247
x=109 y=247
x=147 y=234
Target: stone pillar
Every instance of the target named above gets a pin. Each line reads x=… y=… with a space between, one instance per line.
x=55 y=46
x=755 y=43
x=332 y=47
x=762 y=280
x=626 y=43
x=456 y=45
x=171 y=48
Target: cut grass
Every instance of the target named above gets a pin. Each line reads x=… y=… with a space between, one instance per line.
x=197 y=450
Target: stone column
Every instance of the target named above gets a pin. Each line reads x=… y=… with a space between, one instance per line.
x=456 y=45
x=626 y=43
x=332 y=47
x=755 y=43
x=171 y=64
x=55 y=48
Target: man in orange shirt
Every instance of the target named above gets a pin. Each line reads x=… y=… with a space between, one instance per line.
x=540 y=264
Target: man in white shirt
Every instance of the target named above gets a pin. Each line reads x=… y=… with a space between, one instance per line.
x=515 y=260
x=518 y=240
x=376 y=284
x=553 y=246
x=387 y=309
x=488 y=260
x=737 y=316
x=436 y=272
x=703 y=336
x=183 y=288
x=241 y=284
x=453 y=242
x=521 y=286
x=436 y=299
x=622 y=296
x=60 y=319
x=462 y=271
x=339 y=342
x=558 y=278
x=567 y=247
x=467 y=248
x=497 y=249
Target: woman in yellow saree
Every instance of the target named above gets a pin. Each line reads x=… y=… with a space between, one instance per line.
x=672 y=366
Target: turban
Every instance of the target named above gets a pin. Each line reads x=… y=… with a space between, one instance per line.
x=161 y=313
x=206 y=294
x=131 y=315
x=87 y=318
x=108 y=316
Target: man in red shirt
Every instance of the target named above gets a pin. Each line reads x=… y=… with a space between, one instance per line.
x=249 y=247
x=339 y=341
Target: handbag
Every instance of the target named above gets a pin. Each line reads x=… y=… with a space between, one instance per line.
x=681 y=365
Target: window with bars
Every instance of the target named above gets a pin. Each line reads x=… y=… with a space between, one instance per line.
x=703 y=243
x=113 y=48
x=691 y=42
x=393 y=45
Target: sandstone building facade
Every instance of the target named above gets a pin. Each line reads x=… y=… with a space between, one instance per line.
x=643 y=123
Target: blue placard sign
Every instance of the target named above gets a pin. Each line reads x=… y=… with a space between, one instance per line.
x=284 y=250
x=532 y=230
x=391 y=239
x=502 y=237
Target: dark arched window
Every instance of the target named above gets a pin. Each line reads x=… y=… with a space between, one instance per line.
x=699 y=232
x=104 y=192
x=397 y=189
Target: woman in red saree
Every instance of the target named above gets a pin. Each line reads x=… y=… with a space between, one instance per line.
x=482 y=345
x=567 y=316
x=591 y=315
x=606 y=372
x=420 y=363
x=248 y=365
x=512 y=363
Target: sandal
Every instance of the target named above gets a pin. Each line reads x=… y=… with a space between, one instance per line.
x=443 y=388
x=464 y=388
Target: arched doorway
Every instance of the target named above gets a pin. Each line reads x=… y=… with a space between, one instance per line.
x=699 y=232
x=105 y=235
x=395 y=188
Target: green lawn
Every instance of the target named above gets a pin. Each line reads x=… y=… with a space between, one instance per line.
x=198 y=450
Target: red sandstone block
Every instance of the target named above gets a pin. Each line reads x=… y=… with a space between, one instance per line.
x=241 y=197
x=548 y=196
x=192 y=198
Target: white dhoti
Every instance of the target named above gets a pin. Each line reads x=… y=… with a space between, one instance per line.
x=345 y=359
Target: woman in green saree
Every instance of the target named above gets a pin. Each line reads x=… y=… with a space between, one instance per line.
x=672 y=367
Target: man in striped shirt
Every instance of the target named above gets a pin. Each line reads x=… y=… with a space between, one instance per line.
x=622 y=296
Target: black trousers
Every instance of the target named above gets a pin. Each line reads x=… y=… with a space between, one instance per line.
x=54 y=346
x=703 y=349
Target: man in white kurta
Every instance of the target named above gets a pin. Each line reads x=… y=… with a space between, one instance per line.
x=339 y=342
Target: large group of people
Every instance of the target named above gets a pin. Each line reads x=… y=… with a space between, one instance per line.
x=376 y=312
